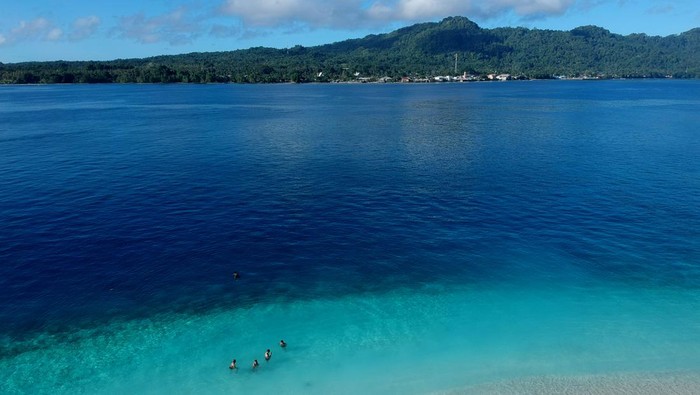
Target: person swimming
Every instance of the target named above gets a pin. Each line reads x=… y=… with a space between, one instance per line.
x=283 y=344
x=236 y=276
x=268 y=355
x=255 y=364
x=233 y=365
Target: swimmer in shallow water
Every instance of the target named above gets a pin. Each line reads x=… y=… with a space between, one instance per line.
x=233 y=365
x=283 y=344
x=268 y=355
x=255 y=364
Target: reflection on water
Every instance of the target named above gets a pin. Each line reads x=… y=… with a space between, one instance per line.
x=502 y=230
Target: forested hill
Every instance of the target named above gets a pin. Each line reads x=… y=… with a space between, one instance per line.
x=421 y=50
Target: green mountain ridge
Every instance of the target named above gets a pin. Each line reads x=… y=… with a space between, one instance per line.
x=419 y=51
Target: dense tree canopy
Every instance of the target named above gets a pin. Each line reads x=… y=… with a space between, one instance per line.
x=421 y=50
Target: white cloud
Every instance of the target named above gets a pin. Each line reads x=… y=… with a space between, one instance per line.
x=184 y=24
x=36 y=29
x=32 y=29
x=413 y=10
x=176 y=27
x=360 y=14
x=314 y=13
x=536 y=8
x=84 y=27
x=54 y=34
x=41 y=29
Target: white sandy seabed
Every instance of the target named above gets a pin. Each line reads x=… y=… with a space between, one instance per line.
x=427 y=340
x=679 y=383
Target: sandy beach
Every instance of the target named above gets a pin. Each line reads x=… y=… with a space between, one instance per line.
x=683 y=383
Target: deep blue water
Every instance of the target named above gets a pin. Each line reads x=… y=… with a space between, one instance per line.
x=121 y=201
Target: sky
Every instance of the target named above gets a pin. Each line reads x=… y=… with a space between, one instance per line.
x=40 y=30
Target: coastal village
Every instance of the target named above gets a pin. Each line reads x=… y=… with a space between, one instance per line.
x=441 y=78
x=465 y=77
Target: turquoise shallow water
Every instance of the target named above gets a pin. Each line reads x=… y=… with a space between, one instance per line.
x=401 y=238
x=411 y=341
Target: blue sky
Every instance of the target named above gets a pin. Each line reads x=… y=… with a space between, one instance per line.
x=101 y=30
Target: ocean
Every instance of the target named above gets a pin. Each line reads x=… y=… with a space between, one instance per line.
x=529 y=236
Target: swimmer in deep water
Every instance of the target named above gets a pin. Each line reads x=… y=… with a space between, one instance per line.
x=268 y=354
x=236 y=276
x=233 y=365
x=283 y=344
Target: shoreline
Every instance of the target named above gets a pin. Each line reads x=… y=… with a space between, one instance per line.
x=651 y=383
x=353 y=82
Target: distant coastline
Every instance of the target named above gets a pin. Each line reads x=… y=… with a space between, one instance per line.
x=453 y=49
x=428 y=80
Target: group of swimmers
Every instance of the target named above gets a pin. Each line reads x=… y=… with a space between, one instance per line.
x=268 y=355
